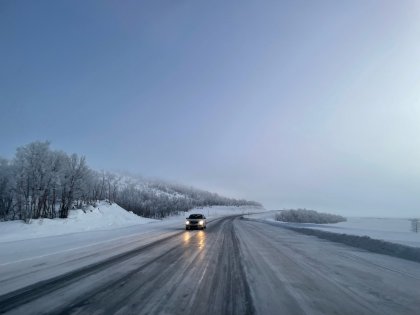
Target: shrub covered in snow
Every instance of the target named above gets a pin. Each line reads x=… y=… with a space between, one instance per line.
x=308 y=216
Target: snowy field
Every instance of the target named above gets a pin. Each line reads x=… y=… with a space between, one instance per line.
x=395 y=230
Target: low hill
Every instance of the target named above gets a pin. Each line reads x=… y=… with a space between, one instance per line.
x=158 y=199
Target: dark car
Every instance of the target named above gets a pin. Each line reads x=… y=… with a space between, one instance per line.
x=195 y=221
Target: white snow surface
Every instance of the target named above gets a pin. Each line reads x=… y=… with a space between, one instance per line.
x=102 y=217
x=394 y=230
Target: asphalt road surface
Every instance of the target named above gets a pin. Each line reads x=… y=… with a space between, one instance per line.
x=236 y=266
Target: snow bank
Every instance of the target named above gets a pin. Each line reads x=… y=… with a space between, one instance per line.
x=393 y=230
x=102 y=217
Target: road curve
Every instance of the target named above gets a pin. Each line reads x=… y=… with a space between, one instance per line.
x=236 y=266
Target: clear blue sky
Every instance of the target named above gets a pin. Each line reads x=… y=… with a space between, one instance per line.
x=292 y=103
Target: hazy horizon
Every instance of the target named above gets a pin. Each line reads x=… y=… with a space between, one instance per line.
x=292 y=104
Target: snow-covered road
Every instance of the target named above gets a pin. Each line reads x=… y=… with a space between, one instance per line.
x=291 y=273
x=236 y=266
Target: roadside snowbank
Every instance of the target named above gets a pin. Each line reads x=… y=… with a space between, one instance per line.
x=396 y=230
x=102 y=217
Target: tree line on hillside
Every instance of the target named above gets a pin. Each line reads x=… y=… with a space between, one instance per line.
x=172 y=198
x=43 y=183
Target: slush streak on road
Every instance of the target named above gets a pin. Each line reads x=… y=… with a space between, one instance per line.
x=234 y=267
x=177 y=276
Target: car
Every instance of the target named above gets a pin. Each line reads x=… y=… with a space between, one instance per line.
x=195 y=221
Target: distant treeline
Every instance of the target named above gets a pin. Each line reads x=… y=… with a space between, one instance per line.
x=308 y=216
x=43 y=183
x=159 y=199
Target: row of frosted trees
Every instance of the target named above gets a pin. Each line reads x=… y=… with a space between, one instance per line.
x=43 y=183
x=160 y=199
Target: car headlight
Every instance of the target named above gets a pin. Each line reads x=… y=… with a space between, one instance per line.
x=201 y=222
x=187 y=222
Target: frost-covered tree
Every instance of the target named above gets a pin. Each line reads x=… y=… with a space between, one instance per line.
x=6 y=189
x=40 y=181
x=33 y=168
x=75 y=171
x=415 y=225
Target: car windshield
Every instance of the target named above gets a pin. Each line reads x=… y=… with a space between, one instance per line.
x=195 y=216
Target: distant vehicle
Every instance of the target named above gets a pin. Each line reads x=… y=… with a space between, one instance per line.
x=195 y=221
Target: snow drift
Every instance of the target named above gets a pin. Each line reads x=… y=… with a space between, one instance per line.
x=102 y=217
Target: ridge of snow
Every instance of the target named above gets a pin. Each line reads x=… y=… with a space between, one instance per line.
x=104 y=216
